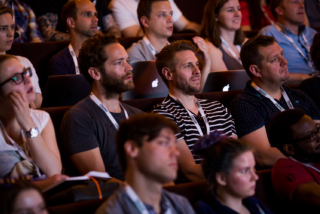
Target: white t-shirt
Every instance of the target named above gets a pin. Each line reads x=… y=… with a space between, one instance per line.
x=35 y=80
x=125 y=12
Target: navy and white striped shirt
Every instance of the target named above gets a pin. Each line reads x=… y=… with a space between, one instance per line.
x=218 y=116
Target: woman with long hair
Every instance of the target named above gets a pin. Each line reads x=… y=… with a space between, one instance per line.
x=229 y=169
x=221 y=29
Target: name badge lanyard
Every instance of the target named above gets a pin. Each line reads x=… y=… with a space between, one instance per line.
x=284 y=94
x=267 y=16
x=203 y=115
x=74 y=57
x=308 y=165
x=109 y=115
x=20 y=151
x=306 y=45
x=137 y=202
x=152 y=49
x=230 y=50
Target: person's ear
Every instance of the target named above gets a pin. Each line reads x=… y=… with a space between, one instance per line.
x=70 y=22
x=94 y=73
x=131 y=149
x=279 y=10
x=254 y=69
x=144 y=21
x=167 y=73
x=221 y=178
x=289 y=149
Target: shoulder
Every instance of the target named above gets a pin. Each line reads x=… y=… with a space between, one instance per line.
x=61 y=54
x=180 y=202
x=82 y=109
x=132 y=109
x=137 y=46
x=119 y=3
x=113 y=203
x=202 y=207
x=268 y=30
x=40 y=118
x=312 y=32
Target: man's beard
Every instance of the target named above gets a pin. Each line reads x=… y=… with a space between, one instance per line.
x=186 y=88
x=309 y=157
x=115 y=85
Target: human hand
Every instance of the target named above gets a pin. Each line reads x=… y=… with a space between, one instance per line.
x=21 y=109
x=202 y=45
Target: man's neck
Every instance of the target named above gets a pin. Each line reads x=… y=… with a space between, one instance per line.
x=110 y=101
x=272 y=89
x=227 y=35
x=76 y=42
x=157 y=42
x=294 y=28
x=230 y=201
x=149 y=191
x=188 y=101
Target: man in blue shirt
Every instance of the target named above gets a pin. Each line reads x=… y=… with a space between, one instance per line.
x=293 y=37
x=80 y=18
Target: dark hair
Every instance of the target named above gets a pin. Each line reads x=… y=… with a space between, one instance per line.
x=136 y=128
x=144 y=9
x=218 y=153
x=315 y=51
x=92 y=54
x=4 y=58
x=4 y=9
x=166 y=58
x=250 y=54
x=273 y=5
x=280 y=127
x=210 y=27
x=69 y=10
x=257 y=19
x=8 y=195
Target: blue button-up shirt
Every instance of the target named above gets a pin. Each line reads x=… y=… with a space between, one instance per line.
x=296 y=63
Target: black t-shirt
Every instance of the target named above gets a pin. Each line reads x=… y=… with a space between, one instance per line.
x=41 y=7
x=312 y=88
x=62 y=63
x=86 y=126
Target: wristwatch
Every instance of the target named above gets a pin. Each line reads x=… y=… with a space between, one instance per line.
x=34 y=132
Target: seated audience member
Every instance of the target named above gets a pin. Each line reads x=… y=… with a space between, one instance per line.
x=311 y=86
x=126 y=17
x=6 y=40
x=293 y=37
x=88 y=128
x=80 y=18
x=22 y=197
x=256 y=14
x=27 y=139
x=51 y=25
x=155 y=18
x=148 y=154
x=224 y=37
x=178 y=67
x=26 y=27
x=265 y=96
x=296 y=178
x=228 y=166
x=313 y=12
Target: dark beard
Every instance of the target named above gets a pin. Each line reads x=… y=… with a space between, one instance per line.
x=307 y=157
x=114 y=85
x=186 y=89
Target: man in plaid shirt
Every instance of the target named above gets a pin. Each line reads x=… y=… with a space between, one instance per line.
x=26 y=27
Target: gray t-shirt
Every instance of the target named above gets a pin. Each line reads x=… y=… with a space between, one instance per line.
x=86 y=126
x=121 y=203
x=140 y=52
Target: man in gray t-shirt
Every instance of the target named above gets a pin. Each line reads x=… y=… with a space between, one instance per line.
x=148 y=154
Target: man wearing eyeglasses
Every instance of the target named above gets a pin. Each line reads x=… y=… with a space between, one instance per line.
x=296 y=178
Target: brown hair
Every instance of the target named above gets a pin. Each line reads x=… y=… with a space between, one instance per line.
x=136 y=128
x=144 y=9
x=92 y=54
x=68 y=10
x=4 y=10
x=4 y=58
x=210 y=27
x=166 y=58
x=250 y=54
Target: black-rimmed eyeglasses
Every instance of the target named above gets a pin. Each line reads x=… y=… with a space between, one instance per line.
x=312 y=137
x=19 y=78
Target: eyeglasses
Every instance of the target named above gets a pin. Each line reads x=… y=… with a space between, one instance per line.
x=312 y=137
x=19 y=78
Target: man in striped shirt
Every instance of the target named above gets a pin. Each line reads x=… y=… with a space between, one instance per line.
x=178 y=66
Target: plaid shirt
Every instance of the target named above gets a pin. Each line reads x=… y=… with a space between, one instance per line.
x=26 y=29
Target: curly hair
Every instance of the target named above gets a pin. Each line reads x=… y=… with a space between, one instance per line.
x=92 y=54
